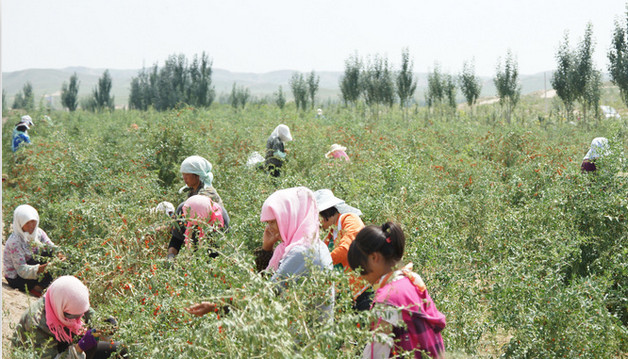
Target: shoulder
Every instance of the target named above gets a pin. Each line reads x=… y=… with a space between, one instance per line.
x=351 y=218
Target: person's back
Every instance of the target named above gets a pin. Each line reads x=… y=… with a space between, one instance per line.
x=20 y=138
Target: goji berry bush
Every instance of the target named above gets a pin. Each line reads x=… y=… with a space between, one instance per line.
x=526 y=256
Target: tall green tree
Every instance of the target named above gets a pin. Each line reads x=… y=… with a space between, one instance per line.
x=239 y=96
x=470 y=84
x=280 y=98
x=563 y=78
x=69 y=93
x=378 y=84
x=507 y=84
x=299 y=88
x=618 y=58
x=435 y=89
x=449 y=87
x=25 y=99
x=350 y=86
x=101 y=94
x=312 y=86
x=406 y=82
x=586 y=73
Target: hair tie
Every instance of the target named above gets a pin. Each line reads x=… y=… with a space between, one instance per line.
x=388 y=239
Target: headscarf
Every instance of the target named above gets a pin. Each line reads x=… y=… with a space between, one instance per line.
x=27 y=120
x=200 y=167
x=66 y=294
x=599 y=148
x=295 y=211
x=201 y=209
x=283 y=132
x=21 y=215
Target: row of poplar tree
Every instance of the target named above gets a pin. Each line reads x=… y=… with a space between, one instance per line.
x=576 y=80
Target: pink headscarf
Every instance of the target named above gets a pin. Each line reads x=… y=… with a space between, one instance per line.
x=295 y=211
x=66 y=294
x=201 y=209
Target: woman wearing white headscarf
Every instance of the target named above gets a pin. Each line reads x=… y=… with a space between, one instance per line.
x=197 y=175
x=599 y=148
x=20 y=265
x=275 y=152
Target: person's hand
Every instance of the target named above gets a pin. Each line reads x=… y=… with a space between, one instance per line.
x=270 y=238
x=42 y=268
x=88 y=341
x=61 y=256
x=200 y=309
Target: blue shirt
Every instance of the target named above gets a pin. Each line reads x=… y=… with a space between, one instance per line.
x=19 y=138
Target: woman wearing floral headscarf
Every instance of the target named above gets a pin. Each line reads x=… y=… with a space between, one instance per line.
x=275 y=151
x=52 y=323
x=21 y=266
x=197 y=175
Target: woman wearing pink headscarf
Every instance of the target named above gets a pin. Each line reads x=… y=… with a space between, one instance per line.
x=198 y=211
x=291 y=218
x=52 y=323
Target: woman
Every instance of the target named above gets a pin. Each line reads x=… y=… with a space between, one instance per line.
x=275 y=151
x=599 y=148
x=197 y=175
x=52 y=322
x=404 y=307
x=338 y=152
x=20 y=137
x=23 y=269
x=292 y=220
x=343 y=223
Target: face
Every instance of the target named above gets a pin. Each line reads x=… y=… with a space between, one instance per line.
x=29 y=226
x=326 y=223
x=376 y=268
x=272 y=227
x=191 y=180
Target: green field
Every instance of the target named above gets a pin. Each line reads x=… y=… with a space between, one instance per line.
x=526 y=256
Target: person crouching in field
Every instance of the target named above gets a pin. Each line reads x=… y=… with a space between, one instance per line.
x=22 y=264
x=401 y=299
x=201 y=217
x=599 y=148
x=337 y=151
x=197 y=175
x=53 y=324
x=275 y=151
x=291 y=220
x=343 y=223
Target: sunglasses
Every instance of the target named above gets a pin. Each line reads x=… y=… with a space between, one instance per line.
x=72 y=316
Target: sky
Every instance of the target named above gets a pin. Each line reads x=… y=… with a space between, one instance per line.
x=262 y=36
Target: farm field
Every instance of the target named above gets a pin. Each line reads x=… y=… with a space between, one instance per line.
x=526 y=256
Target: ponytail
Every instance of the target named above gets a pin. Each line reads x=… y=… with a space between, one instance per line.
x=387 y=239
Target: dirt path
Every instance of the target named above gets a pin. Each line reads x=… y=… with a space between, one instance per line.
x=14 y=303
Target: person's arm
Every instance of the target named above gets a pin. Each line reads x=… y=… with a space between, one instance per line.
x=382 y=343
x=24 y=270
x=46 y=240
x=351 y=225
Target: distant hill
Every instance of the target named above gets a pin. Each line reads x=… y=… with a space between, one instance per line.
x=47 y=83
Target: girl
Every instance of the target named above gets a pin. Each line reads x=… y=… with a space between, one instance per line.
x=401 y=299
x=275 y=151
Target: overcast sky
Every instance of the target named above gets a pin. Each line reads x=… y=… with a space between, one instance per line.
x=261 y=36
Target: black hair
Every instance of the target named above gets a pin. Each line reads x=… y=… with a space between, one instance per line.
x=21 y=128
x=387 y=239
x=328 y=213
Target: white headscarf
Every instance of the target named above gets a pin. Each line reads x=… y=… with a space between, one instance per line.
x=283 y=132
x=599 y=148
x=200 y=167
x=21 y=215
